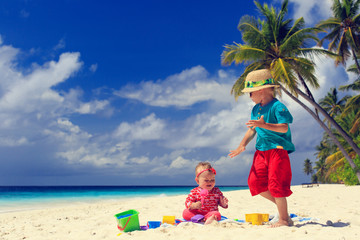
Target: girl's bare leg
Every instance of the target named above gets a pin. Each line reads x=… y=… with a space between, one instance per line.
x=210 y=220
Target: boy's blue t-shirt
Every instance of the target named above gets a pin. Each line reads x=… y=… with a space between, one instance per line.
x=273 y=112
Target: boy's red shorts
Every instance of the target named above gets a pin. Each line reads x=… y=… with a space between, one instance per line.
x=271 y=171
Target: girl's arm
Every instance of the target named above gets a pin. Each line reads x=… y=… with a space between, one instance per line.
x=224 y=202
x=191 y=201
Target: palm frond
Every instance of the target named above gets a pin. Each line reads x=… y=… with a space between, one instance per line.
x=316 y=52
x=353 y=69
x=329 y=23
x=251 y=31
x=241 y=53
x=353 y=104
x=283 y=73
x=333 y=158
x=355 y=86
x=356 y=126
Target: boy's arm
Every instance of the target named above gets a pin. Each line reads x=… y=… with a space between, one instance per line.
x=249 y=135
x=276 y=127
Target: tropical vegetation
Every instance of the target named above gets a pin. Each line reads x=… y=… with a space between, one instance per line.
x=283 y=46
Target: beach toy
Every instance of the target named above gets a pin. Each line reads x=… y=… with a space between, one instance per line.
x=178 y=221
x=239 y=220
x=257 y=218
x=169 y=220
x=223 y=218
x=128 y=221
x=203 y=194
x=153 y=224
x=197 y=218
x=144 y=228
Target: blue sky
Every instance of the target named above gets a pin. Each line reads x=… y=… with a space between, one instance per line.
x=132 y=92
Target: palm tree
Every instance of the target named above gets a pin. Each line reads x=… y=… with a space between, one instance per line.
x=353 y=68
x=353 y=104
x=320 y=168
x=335 y=162
x=323 y=151
x=308 y=167
x=276 y=44
x=344 y=27
x=331 y=104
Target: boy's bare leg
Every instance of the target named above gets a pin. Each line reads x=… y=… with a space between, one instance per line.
x=281 y=204
x=268 y=196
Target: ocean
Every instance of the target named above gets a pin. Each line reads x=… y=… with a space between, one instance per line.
x=17 y=198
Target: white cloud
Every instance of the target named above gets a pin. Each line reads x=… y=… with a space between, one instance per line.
x=312 y=11
x=31 y=92
x=93 y=67
x=29 y=101
x=180 y=90
x=92 y=107
x=173 y=164
x=10 y=142
x=80 y=147
x=140 y=160
x=213 y=130
x=61 y=44
x=180 y=163
x=148 y=128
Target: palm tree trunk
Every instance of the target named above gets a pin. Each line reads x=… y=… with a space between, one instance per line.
x=341 y=131
x=328 y=131
x=307 y=91
x=356 y=60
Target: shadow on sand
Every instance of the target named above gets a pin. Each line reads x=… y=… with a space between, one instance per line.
x=328 y=224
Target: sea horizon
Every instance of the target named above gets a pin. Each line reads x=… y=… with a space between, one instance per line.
x=19 y=198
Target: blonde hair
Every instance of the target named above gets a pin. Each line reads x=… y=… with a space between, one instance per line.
x=201 y=166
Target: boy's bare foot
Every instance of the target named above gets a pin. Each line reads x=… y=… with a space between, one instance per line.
x=282 y=223
x=210 y=220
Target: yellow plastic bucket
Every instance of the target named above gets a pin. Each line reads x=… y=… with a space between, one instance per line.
x=169 y=220
x=257 y=218
x=128 y=221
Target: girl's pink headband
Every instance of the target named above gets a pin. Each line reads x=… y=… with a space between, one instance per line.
x=209 y=169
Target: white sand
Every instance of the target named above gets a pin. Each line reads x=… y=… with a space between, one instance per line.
x=336 y=203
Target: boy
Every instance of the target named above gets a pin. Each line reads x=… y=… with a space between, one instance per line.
x=270 y=174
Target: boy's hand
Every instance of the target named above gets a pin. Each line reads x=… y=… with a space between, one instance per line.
x=196 y=205
x=224 y=202
x=236 y=152
x=256 y=123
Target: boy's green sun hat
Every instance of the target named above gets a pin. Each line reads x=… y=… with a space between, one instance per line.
x=257 y=80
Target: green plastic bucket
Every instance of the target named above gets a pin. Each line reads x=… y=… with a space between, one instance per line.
x=128 y=221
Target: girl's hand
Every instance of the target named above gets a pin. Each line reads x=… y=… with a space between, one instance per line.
x=224 y=202
x=196 y=205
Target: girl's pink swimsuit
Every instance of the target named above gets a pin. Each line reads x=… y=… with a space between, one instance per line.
x=211 y=203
